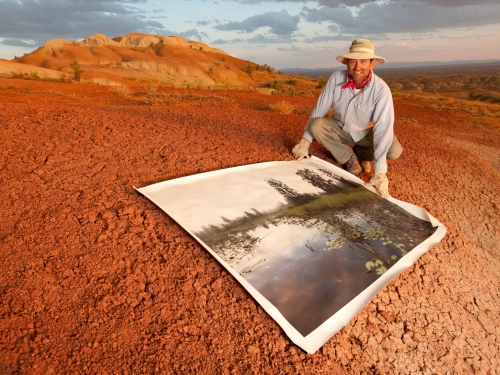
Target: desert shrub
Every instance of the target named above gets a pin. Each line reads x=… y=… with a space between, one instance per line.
x=20 y=75
x=151 y=92
x=292 y=82
x=272 y=84
x=223 y=58
x=283 y=106
x=77 y=71
x=249 y=68
x=64 y=79
x=265 y=67
x=201 y=48
x=197 y=84
x=170 y=81
x=35 y=76
x=321 y=83
x=120 y=90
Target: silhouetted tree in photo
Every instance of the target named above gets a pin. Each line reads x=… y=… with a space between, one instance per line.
x=249 y=214
x=328 y=186
x=342 y=180
x=286 y=191
x=292 y=196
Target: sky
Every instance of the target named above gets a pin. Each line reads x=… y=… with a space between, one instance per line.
x=279 y=33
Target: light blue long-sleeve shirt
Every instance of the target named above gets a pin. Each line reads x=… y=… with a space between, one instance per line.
x=356 y=112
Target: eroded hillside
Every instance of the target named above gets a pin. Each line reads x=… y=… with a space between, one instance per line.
x=142 y=59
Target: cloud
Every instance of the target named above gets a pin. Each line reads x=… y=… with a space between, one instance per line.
x=458 y=3
x=264 y=39
x=193 y=34
x=399 y=46
x=475 y=36
x=330 y=38
x=355 y=3
x=281 y=23
x=230 y=41
x=16 y=43
x=327 y=3
x=315 y=50
x=258 y=39
x=290 y=49
x=49 y=19
x=403 y=17
x=206 y=22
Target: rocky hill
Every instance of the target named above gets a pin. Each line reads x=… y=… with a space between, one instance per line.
x=139 y=58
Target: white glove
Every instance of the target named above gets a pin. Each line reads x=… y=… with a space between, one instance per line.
x=301 y=150
x=381 y=183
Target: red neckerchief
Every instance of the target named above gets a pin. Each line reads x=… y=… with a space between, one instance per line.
x=355 y=85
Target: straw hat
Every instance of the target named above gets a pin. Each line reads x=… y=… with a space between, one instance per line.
x=361 y=49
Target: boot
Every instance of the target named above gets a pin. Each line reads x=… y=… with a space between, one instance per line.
x=366 y=166
x=352 y=165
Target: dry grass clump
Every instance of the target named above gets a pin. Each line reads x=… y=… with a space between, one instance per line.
x=120 y=90
x=282 y=106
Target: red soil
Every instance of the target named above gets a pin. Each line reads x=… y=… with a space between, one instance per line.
x=95 y=279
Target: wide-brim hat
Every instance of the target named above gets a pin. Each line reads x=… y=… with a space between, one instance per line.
x=361 y=49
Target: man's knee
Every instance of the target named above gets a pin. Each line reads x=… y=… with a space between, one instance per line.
x=395 y=150
x=318 y=127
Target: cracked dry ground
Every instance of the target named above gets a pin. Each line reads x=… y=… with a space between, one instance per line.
x=95 y=279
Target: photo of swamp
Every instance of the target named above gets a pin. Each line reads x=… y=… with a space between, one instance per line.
x=307 y=239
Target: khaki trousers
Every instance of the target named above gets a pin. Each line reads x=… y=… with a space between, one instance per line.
x=329 y=133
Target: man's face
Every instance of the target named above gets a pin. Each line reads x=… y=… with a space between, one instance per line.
x=359 y=69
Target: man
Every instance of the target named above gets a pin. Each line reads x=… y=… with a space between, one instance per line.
x=363 y=116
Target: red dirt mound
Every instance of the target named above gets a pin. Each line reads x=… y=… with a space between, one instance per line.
x=95 y=279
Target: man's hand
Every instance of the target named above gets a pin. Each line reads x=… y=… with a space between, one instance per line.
x=301 y=150
x=381 y=183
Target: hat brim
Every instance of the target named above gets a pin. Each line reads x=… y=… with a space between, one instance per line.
x=344 y=59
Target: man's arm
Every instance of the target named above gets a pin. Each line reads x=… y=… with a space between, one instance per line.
x=383 y=134
x=301 y=150
x=383 y=129
x=322 y=106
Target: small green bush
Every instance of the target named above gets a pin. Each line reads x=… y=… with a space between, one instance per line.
x=75 y=65
x=249 y=68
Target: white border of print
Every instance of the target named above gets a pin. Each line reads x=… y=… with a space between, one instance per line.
x=312 y=342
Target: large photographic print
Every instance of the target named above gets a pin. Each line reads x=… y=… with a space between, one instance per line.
x=306 y=236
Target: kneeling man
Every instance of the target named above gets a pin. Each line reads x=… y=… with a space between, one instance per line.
x=363 y=116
